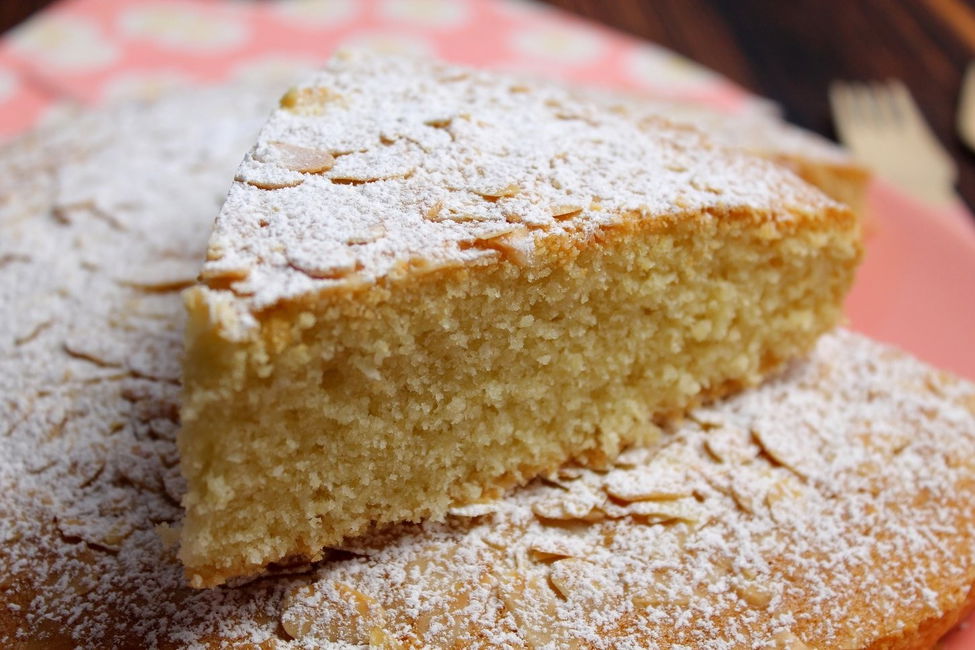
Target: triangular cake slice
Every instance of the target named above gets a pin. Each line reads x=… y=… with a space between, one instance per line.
x=429 y=284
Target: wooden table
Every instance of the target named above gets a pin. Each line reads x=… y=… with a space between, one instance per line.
x=789 y=51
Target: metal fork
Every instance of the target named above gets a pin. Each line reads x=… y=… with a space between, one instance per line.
x=883 y=127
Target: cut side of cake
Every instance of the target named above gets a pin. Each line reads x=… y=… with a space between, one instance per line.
x=429 y=284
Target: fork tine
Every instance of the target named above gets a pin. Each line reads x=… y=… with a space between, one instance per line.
x=914 y=120
x=844 y=113
x=907 y=108
x=870 y=106
x=884 y=128
x=887 y=112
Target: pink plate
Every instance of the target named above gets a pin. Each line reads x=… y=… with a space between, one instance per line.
x=916 y=287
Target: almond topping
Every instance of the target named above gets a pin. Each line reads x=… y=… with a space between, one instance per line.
x=566 y=211
x=308 y=101
x=303 y=159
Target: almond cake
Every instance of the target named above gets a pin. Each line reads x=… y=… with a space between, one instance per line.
x=429 y=284
x=828 y=508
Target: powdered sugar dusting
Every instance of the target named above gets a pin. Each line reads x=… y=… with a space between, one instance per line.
x=723 y=536
x=103 y=222
x=448 y=160
x=759 y=130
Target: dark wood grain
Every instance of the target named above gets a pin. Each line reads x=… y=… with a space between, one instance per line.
x=13 y=12
x=790 y=51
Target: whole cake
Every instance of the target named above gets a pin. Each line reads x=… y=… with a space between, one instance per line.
x=429 y=284
x=829 y=508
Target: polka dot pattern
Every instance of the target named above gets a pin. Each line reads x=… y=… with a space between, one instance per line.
x=9 y=83
x=98 y=50
x=71 y=44
x=427 y=13
x=562 y=44
x=188 y=28
x=312 y=14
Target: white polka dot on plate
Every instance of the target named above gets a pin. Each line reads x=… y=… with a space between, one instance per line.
x=9 y=84
x=148 y=85
x=658 y=67
x=560 y=44
x=520 y=9
x=182 y=27
x=427 y=13
x=390 y=43
x=63 y=41
x=315 y=13
x=276 y=68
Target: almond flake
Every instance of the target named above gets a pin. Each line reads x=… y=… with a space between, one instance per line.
x=301 y=159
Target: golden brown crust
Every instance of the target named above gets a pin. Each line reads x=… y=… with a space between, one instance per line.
x=843 y=182
x=278 y=323
x=927 y=632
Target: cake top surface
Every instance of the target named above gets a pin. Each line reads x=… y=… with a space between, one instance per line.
x=734 y=532
x=759 y=131
x=380 y=167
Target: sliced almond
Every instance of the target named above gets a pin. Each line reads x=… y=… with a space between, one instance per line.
x=217 y=277
x=657 y=486
x=439 y=122
x=333 y=612
x=269 y=184
x=161 y=276
x=653 y=512
x=495 y=193
x=515 y=246
x=566 y=211
x=755 y=594
x=320 y=261
x=472 y=510
x=368 y=235
x=305 y=160
x=533 y=604
x=309 y=101
x=566 y=507
x=704 y=186
x=581 y=581
x=546 y=548
x=789 y=448
x=786 y=640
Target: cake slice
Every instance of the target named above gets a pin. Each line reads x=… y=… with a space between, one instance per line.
x=429 y=284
